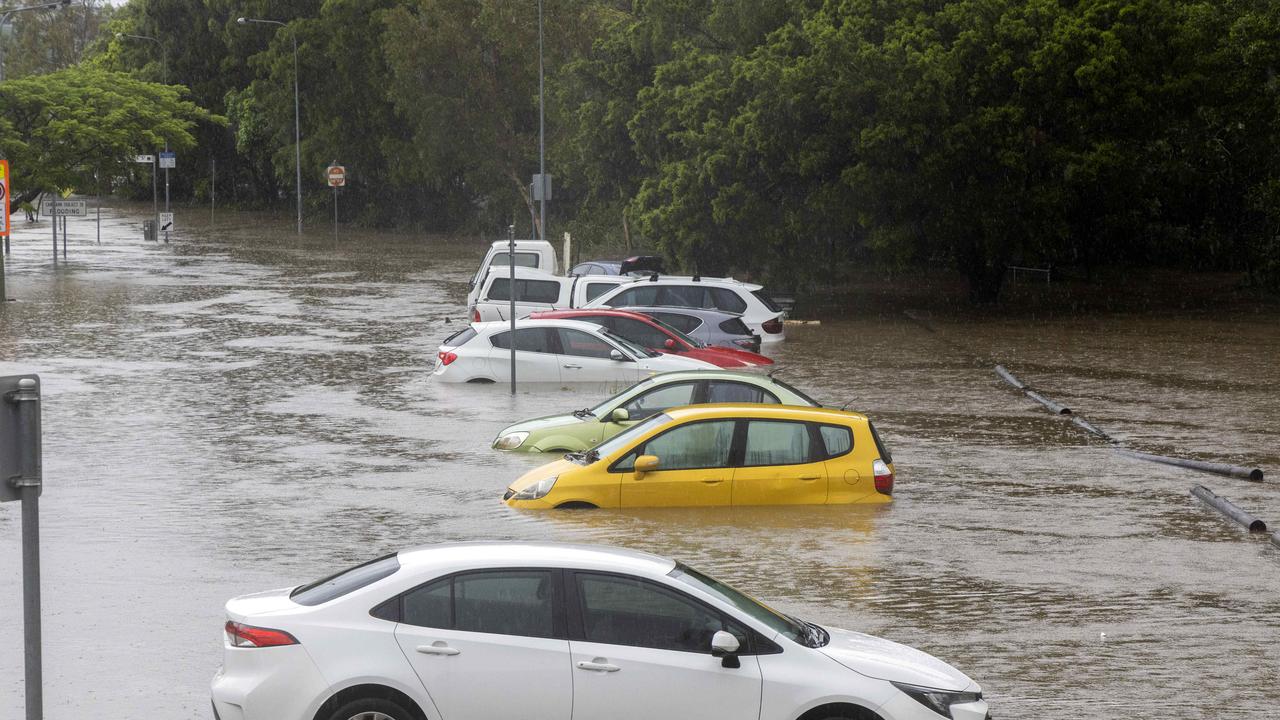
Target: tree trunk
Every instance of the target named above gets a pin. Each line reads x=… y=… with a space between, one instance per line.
x=15 y=203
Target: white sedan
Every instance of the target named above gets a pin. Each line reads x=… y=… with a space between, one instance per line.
x=564 y=351
x=482 y=631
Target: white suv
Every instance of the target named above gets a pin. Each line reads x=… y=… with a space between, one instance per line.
x=481 y=631
x=757 y=309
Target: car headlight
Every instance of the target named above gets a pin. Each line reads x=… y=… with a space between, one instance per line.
x=537 y=490
x=939 y=701
x=510 y=441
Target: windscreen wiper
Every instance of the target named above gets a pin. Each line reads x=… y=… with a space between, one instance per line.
x=584 y=412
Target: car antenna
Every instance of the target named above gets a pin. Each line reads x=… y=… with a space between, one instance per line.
x=847 y=403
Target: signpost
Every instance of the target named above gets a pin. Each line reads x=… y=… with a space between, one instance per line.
x=168 y=159
x=155 y=198
x=166 y=223
x=60 y=207
x=21 y=480
x=337 y=176
x=4 y=222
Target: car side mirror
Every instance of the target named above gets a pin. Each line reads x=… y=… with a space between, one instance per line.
x=724 y=646
x=670 y=344
x=647 y=463
x=619 y=415
x=617 y=355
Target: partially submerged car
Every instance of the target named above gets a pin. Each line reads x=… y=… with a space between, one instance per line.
x=721 y=455
x=581 y=429
x=647 y=331
x=564 y=351
x=758 y=310
x=709 y=327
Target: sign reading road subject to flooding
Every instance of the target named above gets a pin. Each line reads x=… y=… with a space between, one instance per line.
x=60 y=208
x=4 y=198
x=337 y=175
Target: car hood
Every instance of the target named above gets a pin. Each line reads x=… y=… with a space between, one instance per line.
x=666 y=363
x=542 y=472
x=543 y=423
x=887 y=660
x=743 y=357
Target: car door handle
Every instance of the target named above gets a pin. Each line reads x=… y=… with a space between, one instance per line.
x=810 y=477
x=598 y=666
x=574 y=367
x=438 y=648
x=713 y=481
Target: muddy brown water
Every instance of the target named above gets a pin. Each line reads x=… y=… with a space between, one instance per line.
x=242 y=409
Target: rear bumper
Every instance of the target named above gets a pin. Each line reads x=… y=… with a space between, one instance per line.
x=279 y=683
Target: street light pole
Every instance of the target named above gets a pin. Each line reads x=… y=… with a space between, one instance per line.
x=4 y=19
x=297 y=124
x=164 y=74
x=542 y=158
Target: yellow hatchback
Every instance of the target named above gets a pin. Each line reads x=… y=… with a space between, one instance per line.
x=720 y=455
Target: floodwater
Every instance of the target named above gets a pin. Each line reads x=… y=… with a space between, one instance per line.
x=241 y=410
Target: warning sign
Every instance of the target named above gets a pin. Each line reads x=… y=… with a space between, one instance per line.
x=337 y=175
x=4 y=197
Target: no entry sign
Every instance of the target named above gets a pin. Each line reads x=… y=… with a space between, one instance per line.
x=4 y=197
x=337 y=175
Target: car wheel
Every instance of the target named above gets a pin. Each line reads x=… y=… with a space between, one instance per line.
x=576 y=505
x=371 y=709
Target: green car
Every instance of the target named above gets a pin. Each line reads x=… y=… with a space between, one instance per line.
x=586 y=428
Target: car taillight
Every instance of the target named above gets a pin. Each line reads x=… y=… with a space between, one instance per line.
x=773 y=327
x=446 y=357
x=883 y=476
x=241 y=635
x=475 y=315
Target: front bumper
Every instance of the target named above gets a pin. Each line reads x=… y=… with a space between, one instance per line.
x=903 y=707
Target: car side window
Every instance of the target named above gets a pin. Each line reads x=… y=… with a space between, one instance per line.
x=837 y=438
x=628 y=611
x=728 y=300
x=642 y=334
x=595 y=290
x=692 y=446
x=778 y=443
x=684 y=323
x=642 y=296
x=538 y=340
x=505 y=602
x=659 y=399
x=682 y=296
x=580 y=344
x=726 y=391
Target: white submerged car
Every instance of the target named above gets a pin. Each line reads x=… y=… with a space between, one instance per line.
x=564 y=351
x=523 y=631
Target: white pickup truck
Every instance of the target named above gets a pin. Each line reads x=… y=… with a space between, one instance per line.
x=537 y=290
x=535 y=254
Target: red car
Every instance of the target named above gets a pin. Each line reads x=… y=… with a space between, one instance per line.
x=657 y=335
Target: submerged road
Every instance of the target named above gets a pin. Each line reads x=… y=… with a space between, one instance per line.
x=242 y=409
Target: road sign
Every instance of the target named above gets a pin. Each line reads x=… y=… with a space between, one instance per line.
x=148 y=159
x=337 y=175
x=166 y=222
x=168 y=159
x=62 y=208
x=540 y=188
x=4 y=198
x=19 y=435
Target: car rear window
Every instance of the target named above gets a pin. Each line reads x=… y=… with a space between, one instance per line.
x=459 y=338
x=802 y=395
x=683 y=323
x=335 y=586
x=595 y=290
x=769 y=302
x=538 y=291
x=523 y=259
x=735 y=326
x=880 y=448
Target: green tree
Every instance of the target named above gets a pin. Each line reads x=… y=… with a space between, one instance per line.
x=59 y=130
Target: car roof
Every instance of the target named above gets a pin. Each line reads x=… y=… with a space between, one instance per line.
x=688 y=280
x=522 y=244
x=499 y=325
x=536 y=554
x=579 y=312
x=781 y=412
x=681 y=310
x=674 y=375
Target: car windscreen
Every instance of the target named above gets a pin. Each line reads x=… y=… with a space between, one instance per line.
x=599 y=409
x=631 y=347
x=624 y=438
x=792 y=388
x=339 y=584
x=769 y=302
x=459 y=338
x=788 y=627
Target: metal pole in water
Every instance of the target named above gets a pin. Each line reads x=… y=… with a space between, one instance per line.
x=64 y=237
x=335 y=213
x=27 y=397
x=213 y=186
x=53 y=222
x=155 y=203
x=1226 y=507
x=511 y=294
x=1236 y=471
x=98 y=222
